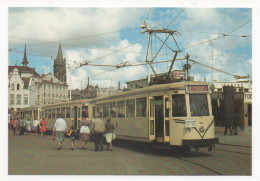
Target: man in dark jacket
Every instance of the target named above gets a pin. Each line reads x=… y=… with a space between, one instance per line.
x=229 y=121
x=235 y=124
x=98 y=129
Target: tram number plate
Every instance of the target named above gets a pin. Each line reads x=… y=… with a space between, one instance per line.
x=190 y=123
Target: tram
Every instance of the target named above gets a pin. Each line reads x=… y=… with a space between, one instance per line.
x=71 y=112
x=177 y=114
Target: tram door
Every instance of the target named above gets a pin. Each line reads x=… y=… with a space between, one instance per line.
x=151 y=118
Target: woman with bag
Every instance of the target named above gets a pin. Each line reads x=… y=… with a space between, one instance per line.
x=60 y=128
x=84 y=131
x=110 y=135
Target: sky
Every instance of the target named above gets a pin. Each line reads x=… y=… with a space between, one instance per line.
x=111 y=36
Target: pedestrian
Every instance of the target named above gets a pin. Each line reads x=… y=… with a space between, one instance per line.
x=28 y=126
x=9 y=122
x=12 y=122
x=228 y=126
x=35 y=126
x=84 y=132
x=109 y=133
x=43 y=125
x=235 y=124
x=21 y=126
x=15 y=126
x=98 y=129
x=60 y=128
x=72 y=135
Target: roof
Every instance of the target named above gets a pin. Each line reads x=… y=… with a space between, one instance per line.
x=26 y=81
x=51 y=82
x=23 y=69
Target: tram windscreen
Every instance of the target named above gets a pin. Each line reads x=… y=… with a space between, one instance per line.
x=199 y=105
x=179 y=106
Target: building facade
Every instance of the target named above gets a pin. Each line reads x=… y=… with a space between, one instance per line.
x=242 y=102
x=27 y=88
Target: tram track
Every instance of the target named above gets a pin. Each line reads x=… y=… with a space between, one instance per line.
x=157 y=153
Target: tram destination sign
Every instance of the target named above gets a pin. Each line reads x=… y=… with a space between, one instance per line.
x=197 y=88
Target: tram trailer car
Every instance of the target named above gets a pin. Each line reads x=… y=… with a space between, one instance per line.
x=177 y=114
x=71 y=111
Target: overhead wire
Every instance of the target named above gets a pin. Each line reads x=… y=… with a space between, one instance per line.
x=176 y=17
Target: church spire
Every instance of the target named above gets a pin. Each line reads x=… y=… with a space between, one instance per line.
x=25 y=62
x=59 y=56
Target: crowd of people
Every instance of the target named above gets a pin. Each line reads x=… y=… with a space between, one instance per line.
x=20 y=126
x=97 y=130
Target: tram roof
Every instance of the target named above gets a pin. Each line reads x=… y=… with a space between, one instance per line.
x=153 y=88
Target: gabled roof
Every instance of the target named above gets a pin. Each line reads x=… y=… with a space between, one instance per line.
x=23 y=69
x=26 y=81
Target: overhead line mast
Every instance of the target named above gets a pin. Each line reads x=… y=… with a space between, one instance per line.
x=153 y=32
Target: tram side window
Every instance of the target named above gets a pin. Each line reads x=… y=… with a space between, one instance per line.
x=199 y=105
x=179 y=106
x=121 y=109
x=85 y=109
x=57 y=113
x=53 y=113
x=67 y=112
x=49 y=113
x=63 y=111
x=106 y=110
x=130 y=108
x=113 y=109
x=141 y=104
x=99 y=110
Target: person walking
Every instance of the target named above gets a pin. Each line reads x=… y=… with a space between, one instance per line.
x=60 y=128
x=35 y=126
x=235 y=124
x=72 y=135
x=228 y=126
x=12 y=123
x=28 y=126
x=43 y=125
x=84 y=132
x=21 y=126
x=98 y=129
x=109 y=133
x=15 y=126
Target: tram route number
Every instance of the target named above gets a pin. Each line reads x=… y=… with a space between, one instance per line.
x=190 y=123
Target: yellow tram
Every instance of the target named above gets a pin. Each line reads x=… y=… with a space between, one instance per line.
x=177 y=114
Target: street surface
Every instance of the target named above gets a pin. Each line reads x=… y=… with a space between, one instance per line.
x=36 y=155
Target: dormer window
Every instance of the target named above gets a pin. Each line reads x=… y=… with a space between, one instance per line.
x=18 y=86
x=12 y=87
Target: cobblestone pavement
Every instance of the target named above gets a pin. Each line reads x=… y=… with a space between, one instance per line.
x=36 y=155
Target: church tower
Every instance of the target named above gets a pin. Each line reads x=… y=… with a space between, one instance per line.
x=25 y=61
x=59 y=67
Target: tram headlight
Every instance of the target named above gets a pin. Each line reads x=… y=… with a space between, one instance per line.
x=202 y=129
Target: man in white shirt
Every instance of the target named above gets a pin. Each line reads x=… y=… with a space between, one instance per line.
x=35 y=125
x=60 y=128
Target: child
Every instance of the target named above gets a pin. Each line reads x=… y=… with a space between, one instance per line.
x=72 y=135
